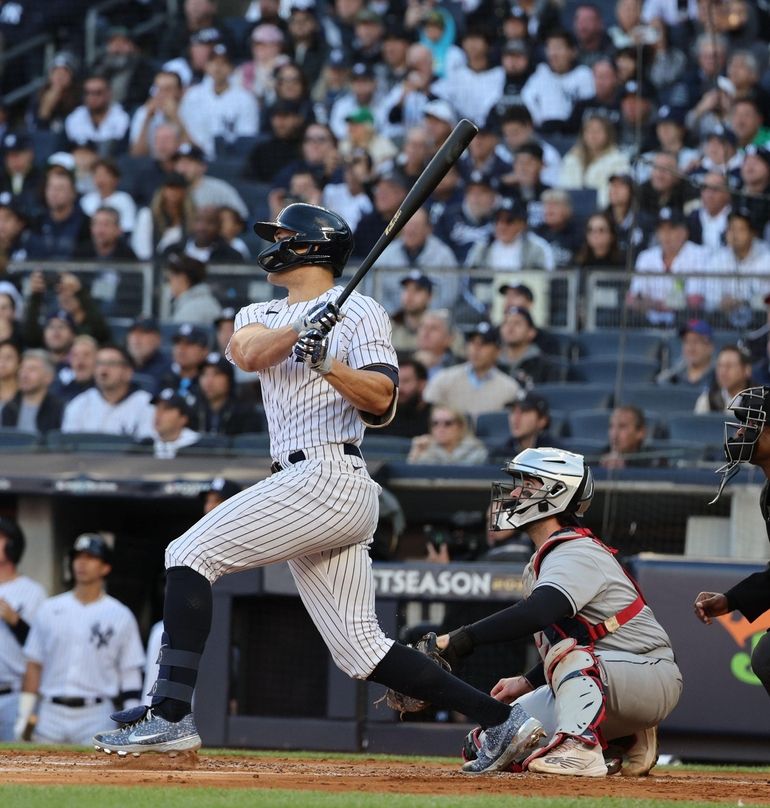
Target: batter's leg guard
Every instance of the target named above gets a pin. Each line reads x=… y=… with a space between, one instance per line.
x=572 y=671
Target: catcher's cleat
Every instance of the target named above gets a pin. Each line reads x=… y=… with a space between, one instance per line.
x=642 y=755
x=506 y=744
x=571 y=757
x=150 y=733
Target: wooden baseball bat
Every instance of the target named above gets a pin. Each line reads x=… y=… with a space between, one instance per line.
x=423 y=187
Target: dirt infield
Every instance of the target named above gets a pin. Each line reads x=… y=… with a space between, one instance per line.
x=363 y=775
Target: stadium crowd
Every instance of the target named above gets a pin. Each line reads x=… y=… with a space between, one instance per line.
x=619 y=136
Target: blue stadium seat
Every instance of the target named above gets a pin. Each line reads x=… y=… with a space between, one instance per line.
x=604 y=371
x=254 y=194
x=676 y=452
x=492 y=424
x=207 y=444
x=591 y=449
x=607 y=342
x=565 y=344
x=385 y=447
x=14 y=440
x=706 y=429
x=252 y=443
x=589 y=424
x=664 y=399
x=58 y=441
x=45 y=143
x=575 y=396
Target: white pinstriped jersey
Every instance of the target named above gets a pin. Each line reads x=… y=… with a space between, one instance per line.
x=24 y=596
x=302 y=409
x=85 y=649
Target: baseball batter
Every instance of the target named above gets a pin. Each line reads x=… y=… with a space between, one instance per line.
x=83 y=652
x=20 y=598
x=747 y=440
x=607 y=669
x=325 y=377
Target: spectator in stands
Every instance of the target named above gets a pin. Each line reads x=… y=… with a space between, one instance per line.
x=350 y=198
x=416 y=246
x=416 y=297
x=708 y=222
x=189 y=349
x=362 y=134
x=695 y=367
x=99 y=118
x=79 y=376
x=190 y=162
x=525 y=182
x=106 y=195
x=85 y=313
x=199 y=15
x=440 y=119
x=79 y=161
x=517 y=129
x=19 y=177
x=107 y=240
x=114 y=405
x=627 y=433
x=257 y=76
x=34 y=408
x=743 y=71
x=10 y=361
x=205 y=242
x=559 y=227
x=675 y=254
x=719 y=154
x=437 y=31
x=282 y=146
x=606 y=100
x=58 y=333
x=755 y=189
x=434 y=342
x=732 y=373
x=671 y=136
x=710 y=97
x=291 y=85
x=513 y=247
x=529 y=422
x=411 y=99
x=191 y=298
x=368 y=32
x=218 y=108
x=160 y=109
x=594 y=158
x=447 y=194
x=10 y=327
x=231 y=227
x=600 y=248
x=304 y=187
x=167 y=221
x=63 y=227
x=396 y=41
x=143 y=343
x=477 y=385
x=521 y=356
x=306 y=40
x=475 y=87
x=362 y=94
x=331 y=84
x=747 y=121
x=593 y=42
x=557 y=83
x=621 y=214
x=14 y=231
x=389 y=192
x=224 y=414
x=412 y=416
x=58 y=97
x=174 y=415
x=221 y=490
x=665 y=189
x=450 y=442
x=481 y=157
x=190 y=65
x=464 y=225
x=518 y=65
x=129 y=72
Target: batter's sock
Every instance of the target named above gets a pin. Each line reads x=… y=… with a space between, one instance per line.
x=412 y=673
x=186 y=622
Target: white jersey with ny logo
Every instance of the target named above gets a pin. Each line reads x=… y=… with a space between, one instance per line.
x=302 y=409
x=85 y=649
x=24 y=596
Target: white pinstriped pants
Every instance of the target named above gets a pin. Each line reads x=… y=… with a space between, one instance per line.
x=320 y=516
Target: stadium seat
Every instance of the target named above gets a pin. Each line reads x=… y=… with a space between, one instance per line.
x=385 y=447
x=45 y=143
x=252 y=443
x=14 y=440
x=575 y=396
x=564 y=345
x=58 y=441
x=589 y=424
x=676 y=452
x=664 y=399
x=207 y=444
x=492 y=424
x=254 y=194
x=706 y=429
x=605 y=371
x=609 y=342
x=591 y=449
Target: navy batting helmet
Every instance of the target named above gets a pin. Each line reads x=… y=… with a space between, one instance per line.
x=93 y=544
x=14 y=539
x=320 y=237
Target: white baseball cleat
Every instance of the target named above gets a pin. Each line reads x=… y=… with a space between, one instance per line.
x=642 y=755
x=571 y=757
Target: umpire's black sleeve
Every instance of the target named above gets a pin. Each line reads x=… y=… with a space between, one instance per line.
x=546 y=605
x=751 y=596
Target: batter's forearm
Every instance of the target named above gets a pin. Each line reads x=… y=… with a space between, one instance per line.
x=366 y=390
x=256 y=347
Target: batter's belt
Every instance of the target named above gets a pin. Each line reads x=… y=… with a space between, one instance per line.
x=329 y=451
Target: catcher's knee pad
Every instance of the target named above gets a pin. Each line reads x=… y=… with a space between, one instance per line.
x=573 y=673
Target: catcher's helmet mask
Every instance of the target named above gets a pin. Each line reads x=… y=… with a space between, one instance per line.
x=304 y=234
x=546 y=482
x=749 y=408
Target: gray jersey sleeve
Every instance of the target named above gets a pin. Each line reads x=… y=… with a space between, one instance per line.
x=573 y=569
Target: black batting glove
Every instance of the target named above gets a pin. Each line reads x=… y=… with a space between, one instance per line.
x=322 y=317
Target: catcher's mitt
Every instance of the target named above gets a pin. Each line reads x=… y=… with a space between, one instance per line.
x=409 y=704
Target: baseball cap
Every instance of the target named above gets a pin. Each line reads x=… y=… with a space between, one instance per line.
x=284 y=106
x=758 y=151
x=148 y=324
x=360 y=115
x=441 y=110
x=488 y=333
x=62 y=159
x=667 y=114
x=672 y=216
x=17 y=141
x=227 y=315
x=93 y=544
x=174 y=180
x=521 y=288
x=700 y=327
x=206 y=36
x=216 y=360
x=742 y=213
x=64 y=316
x=642 y=89
x=190 y=150
x=267 y=34
x=435 y=18
x=361 y=71
x=516 y=46
x=724 y=133
x=394 y=177
x=191 y=333
x=65 y=59
x=224 y=487
x=14 y=204
x=520 y=310
x=220 y=49
x=417 y=277
x=368 y=15
x=394 y=29
x=170 y=398
x=337 y=58
x=512 y=207
x=530 y=147
x=622 y=176
x=531 y=401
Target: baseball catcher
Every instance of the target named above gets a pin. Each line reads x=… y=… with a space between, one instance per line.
x=607 y=670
